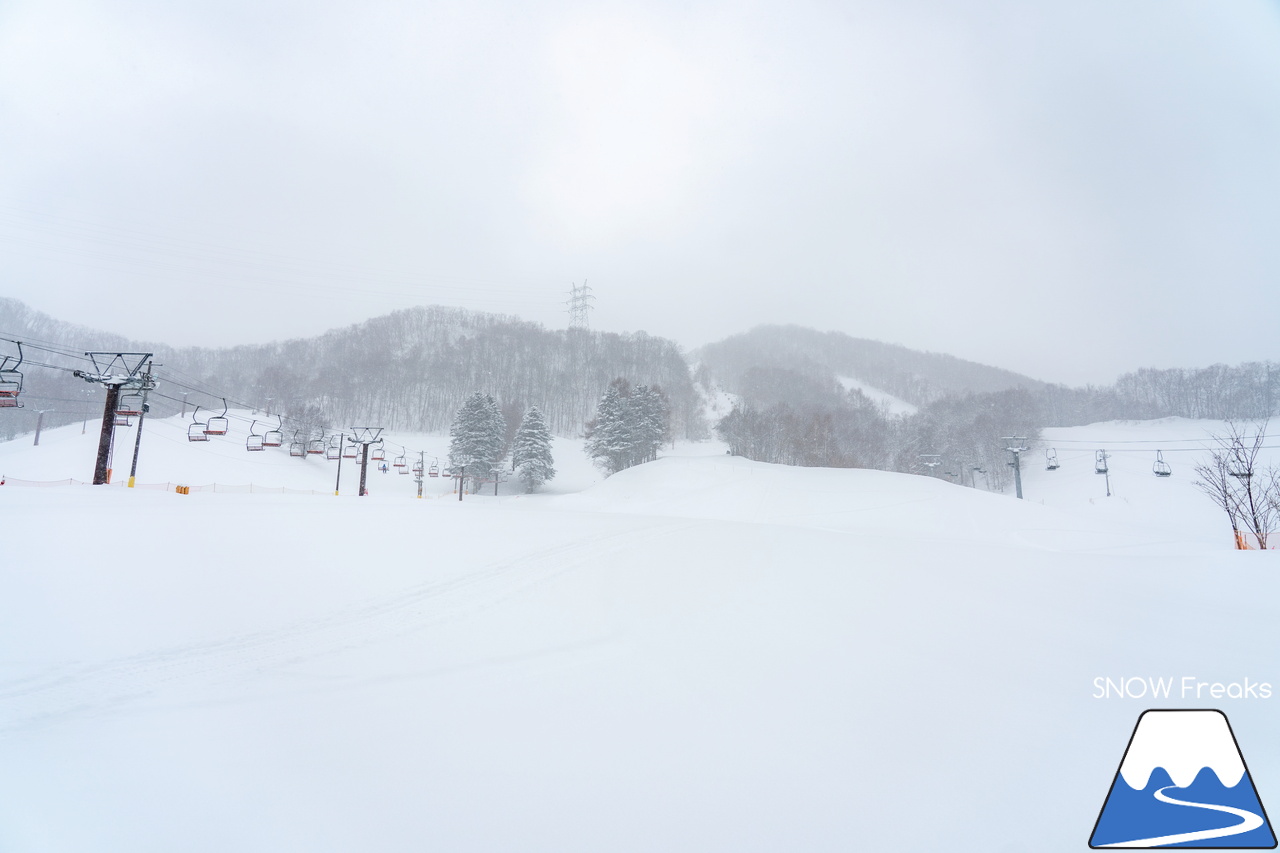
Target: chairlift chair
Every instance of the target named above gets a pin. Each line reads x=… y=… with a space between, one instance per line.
x=434 y=470
x=129 y=405
x=333 y=450
x=400 y=462
x=253 y=441
x=403 y=469
x=122 y=420
x=316 y=445
x=351 y=451
x=274 y=437
x=417 y=470
x=197 y=430
x=218 y=424
x=296 y=447
x=1100 y=463
x=1161 y=468
x=1051 y=460
x=377 y=451
x=10 y=381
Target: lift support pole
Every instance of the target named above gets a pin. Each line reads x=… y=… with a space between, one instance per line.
x=102 y=474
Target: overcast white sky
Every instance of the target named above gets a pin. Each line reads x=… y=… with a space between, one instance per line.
x=1068 y=189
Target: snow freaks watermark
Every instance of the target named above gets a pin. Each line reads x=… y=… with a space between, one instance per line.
x=1183 y=783
x=1185 y=687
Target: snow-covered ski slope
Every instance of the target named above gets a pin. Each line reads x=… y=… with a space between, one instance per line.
x=702 y=654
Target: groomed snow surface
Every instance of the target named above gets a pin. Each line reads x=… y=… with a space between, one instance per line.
x=702 y=654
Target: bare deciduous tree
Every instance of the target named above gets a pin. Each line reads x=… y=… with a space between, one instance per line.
x=1234 y=480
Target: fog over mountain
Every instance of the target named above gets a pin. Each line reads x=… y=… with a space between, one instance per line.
x=775 y=393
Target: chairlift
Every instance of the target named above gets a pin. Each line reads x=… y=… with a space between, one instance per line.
x=351 y=451
x=334 y=449
x=417 y=470
x=122 y=420
x=253 y=441
x=316 y=446
x=296 y=447
x=1161 y=468
x=10 y=380
x=274 y=437
x=1051 y=460
x=218 y=424
x=1100 y=462
x=403 y=469
x=130 y=404
x=401 y=462
x=378 y=451
x=434 y=470
x=197 y=431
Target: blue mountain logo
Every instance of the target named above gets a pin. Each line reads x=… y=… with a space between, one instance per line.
x=1183 y=783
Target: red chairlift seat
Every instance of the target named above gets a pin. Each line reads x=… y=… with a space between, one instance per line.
x=351 y=451
x=9 y=389
x=434 y=470
x=253 y=441
x=316 y=445
x=273 y=437
x=400 y=462
x=218 y=424
x=129 y=405
x=10 y=381
x=196 y=432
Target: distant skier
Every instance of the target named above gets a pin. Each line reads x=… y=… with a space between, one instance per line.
x=383 y=467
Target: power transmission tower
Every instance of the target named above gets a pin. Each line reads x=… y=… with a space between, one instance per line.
x=114 y=371
x=580 y=306
x=1017 y=446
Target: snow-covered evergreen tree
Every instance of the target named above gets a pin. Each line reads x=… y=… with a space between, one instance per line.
x=629 y=427
x=477 y=437
x=608 y=436
x=651 y=419
x=531 y=451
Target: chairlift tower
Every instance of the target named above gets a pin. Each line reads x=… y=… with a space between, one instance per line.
x=1017 y=445
x=114 y=371
x=930 y=460
x=364 y=436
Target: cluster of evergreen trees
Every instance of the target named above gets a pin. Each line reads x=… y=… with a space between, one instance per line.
x=631 y=423
x=478 y=444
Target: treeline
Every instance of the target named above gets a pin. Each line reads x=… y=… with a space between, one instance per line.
x=409 y=370
x=792 y=409
x=413 y=369
x=848 y=430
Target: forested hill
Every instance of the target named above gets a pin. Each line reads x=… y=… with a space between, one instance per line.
x=413 y=369
x=911 y=375
x=408 y=370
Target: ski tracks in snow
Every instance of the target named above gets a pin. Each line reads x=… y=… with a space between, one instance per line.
x=78 y=689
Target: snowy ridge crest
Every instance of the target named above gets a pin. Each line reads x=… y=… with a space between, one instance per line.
x=1183 y=743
